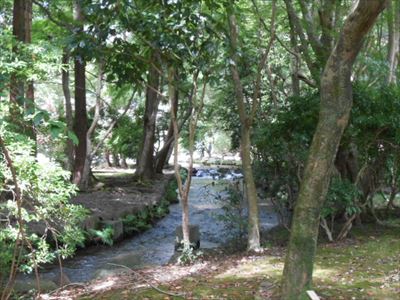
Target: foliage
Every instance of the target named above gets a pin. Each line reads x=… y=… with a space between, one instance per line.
x=171 y=194
x=141 y=221
x=105 y=235
x=342 y=197
x=46 y=191
x=126 y=137
x=233 y=213
x=189 y=255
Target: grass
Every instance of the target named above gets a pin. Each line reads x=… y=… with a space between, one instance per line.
x=365 y=266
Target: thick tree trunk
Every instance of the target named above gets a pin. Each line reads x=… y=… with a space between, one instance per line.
x=336 y=102
x=146 y=167
x=69 y=149
x=22 y=29
x=81 y=120
x=253 y=237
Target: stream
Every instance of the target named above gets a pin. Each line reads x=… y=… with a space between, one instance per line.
x=156 y=245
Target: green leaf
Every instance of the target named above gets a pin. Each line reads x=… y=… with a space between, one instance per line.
x=73 y=137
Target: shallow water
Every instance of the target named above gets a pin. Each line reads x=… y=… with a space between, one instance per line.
x=156 y=245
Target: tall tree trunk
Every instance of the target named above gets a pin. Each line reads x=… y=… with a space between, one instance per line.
x=86 y=175
x=336 y=102
x=247 y=119
x=21 y=99
x=394 y=38
x=253 y=239
x=182 y=187
x=146 y=166
x=69 y=149
x=81 y=120
x=294 y=63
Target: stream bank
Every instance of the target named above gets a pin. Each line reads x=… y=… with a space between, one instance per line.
x=155 y=247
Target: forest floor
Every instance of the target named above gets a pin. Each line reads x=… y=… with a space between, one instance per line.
x=364 y=266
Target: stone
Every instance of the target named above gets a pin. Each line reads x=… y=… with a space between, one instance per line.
x=130 y=260
x=26 y=284
x=91 y=222
x=194 y=237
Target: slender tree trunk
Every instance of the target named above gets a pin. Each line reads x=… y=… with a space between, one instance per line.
x=162 y=155
x=107 y=158
x=294 y=63
x=246 y=122
x=146 y=165
x=394 y=38
x=86 y=175
x=336 y=102
x=124 y=164
x=69 y=149
x=182 y=187
x=81 y=120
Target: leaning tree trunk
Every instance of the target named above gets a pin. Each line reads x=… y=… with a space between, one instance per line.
x=81 y=120
x=336 y=102
x=146 y=167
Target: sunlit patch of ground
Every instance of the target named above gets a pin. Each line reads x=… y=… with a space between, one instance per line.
x=366 y=266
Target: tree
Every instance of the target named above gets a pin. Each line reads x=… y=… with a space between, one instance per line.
x=145 y=168
x=394 y=38
x=80 y=120
x=21 y=92
x=246 y=121
x=336 y=102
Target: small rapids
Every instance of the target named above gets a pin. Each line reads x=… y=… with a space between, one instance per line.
x=156 y=245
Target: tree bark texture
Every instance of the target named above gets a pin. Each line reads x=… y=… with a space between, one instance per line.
x=22 y=30
x=86 y=175
x=162 y=155
x=146 y=165
x=394 y=38
x=80 y=120
x=69 y=149
x=336 y=102
x=181 y=188
x=253 y=239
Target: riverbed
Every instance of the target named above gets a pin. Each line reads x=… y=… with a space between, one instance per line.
x=156 y=245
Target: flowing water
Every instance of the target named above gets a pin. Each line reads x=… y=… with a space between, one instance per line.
x=156 y=245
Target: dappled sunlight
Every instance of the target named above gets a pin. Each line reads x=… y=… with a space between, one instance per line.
x=103 y=285
x=249 y=267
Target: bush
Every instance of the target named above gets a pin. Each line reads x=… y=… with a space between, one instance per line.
x=41 y=221
x=233 y=213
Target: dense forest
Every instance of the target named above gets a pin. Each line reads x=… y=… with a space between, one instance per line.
x=305 y=93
